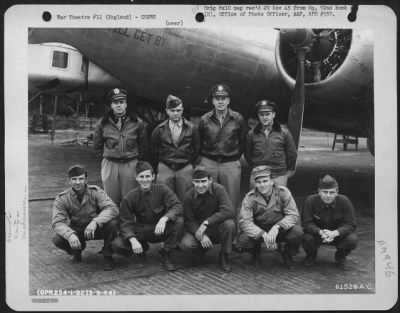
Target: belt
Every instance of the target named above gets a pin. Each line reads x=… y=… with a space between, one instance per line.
x=120 y=160
x=222 y=159
x=175 y=166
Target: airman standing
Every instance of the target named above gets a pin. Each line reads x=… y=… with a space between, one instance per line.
x=270 y=144
x=120 y=139
x=175 y=145
x=222 y=138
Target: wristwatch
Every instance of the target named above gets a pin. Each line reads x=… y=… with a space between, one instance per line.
x=205 y=223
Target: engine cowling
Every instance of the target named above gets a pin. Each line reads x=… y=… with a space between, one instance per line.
x=337 y=67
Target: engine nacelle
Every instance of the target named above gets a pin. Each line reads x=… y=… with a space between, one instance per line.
x=338 y=66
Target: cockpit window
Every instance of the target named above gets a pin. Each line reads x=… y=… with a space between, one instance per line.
x=60 y=59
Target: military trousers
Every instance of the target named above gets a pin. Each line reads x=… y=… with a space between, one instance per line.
x=107 y=232
x=180 y=181
x=227 y=174
x=145 y=234
x=118 y=178
x=290 y=237
x=345 y=244
x=222 y=233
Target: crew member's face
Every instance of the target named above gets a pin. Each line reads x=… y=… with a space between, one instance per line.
x=264 y=185
x=202 y=184
x=175 y=114
x=220 y=102
x=145 y=179
x=78 y=183
x=266 y=118
x=328 y=195
x=119 y=106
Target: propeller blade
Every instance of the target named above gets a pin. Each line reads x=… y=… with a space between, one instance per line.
x=296 y=111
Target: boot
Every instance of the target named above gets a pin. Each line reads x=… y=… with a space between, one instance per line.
x=145 y=247
x=309 y=260
x=224 y=261
x=167 y=262
x=256 y=254
x=108 y=263
x=77 y=256
x=199 y=257
x=340 y=258
x=287 y=260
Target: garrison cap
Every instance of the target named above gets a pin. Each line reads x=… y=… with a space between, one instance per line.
x=327 y=182
x=76 y=170
x=142 y=166
x=172 y=102
x=200 y=172
x=265 y=105
x=117 y=93
x=220 y=90
x=261 y=171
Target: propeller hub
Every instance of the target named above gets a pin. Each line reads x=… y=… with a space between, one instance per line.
x=298 y=38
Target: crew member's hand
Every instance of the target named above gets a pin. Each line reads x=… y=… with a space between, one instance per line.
x=160 y=227
x=330 y=235
x=74 y=242
x=206 y=242
x=136 y=246
x=270 y=238
x=90 y=229
x=200 y=231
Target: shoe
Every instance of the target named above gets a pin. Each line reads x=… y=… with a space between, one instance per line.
x=309 y=261
x=256 y=254
x=340 y=260
x=224 y=261
x=167 y=263
x=108 y=263
x=145 y=247
x=198 y=258
x=237 y=248
x=287 y=260
x=77 y=256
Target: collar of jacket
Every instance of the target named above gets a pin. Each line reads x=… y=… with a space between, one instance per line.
x=85 y=194
x=165 y=123
x=332 y=205
x=110 y=115
x=229 y=114
x=273 y=198
x=210 y=191
x=275 y=126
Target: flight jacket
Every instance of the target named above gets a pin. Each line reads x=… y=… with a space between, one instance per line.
x=256 y=216
x=95 y=206
x=222 y=143
x=128 y=143
x=165 y=151
x=277 y=151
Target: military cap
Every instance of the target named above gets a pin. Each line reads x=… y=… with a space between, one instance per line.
x=76 y=170
x=200 y=172
x=172 y=102
x=265 y=105
x=117 y=93
x=328 y=182
x=261 y=171
x=142 y=166
x=220 y=90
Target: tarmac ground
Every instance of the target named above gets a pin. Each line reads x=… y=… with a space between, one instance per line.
x=52 y=269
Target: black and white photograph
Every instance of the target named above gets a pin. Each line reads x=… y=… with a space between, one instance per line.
x=200 y=157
